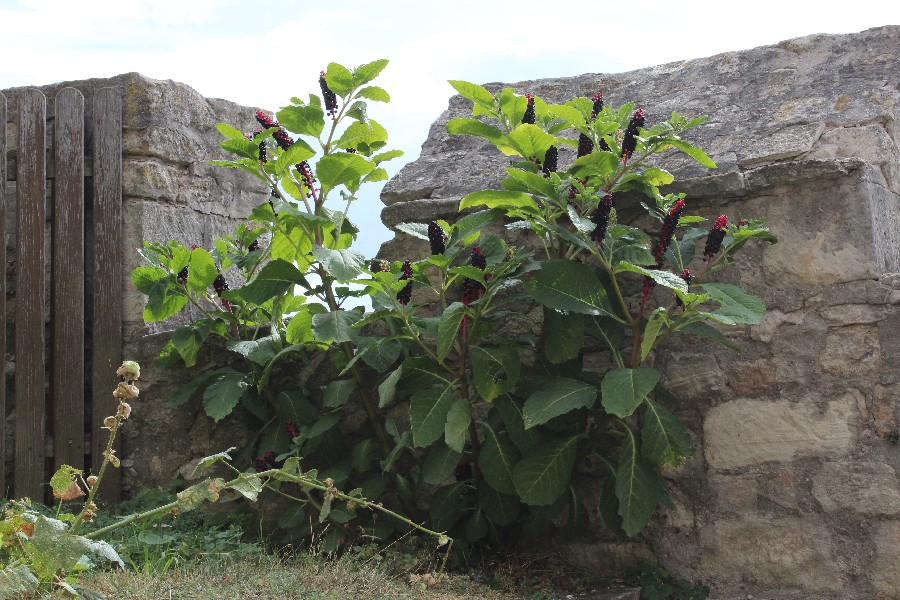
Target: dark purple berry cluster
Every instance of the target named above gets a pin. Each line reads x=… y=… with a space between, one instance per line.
x=281 y=136
x=629 y=142
x=529 y=117
x=267 y=461
x=263 y=152
x=715 y=237
x=306 y=177
x=254 y=246
x=437 y=238
x=292 y=429
x=597 y=99
x=551 y=160
x=473 y=290
x=328 y=96
x=600 y=218
x=405 y=294
x=670 y=222
x=220 y=285
x=585 y=145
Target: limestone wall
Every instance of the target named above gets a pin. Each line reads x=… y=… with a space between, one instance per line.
x=794 y=489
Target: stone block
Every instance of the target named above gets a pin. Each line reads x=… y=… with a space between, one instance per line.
x=744 y=432
x=734 y=493
x=853 y=314
x=886 y=571
x=770 y=553
x=886 y=408
x=852 y=351
x=865 y=488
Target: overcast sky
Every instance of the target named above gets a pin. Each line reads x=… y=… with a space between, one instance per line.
x=261 y=54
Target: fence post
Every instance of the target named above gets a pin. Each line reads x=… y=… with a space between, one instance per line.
x=3 y=179
x=67 y=295
x=30 y=219
x=108 y=274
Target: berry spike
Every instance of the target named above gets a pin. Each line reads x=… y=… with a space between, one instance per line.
x=629 y=142
x=529 y=117
x=329 y=97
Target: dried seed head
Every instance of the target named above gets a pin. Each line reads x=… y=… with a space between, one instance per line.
x=91 y=481
x=124 y=410
x=129 y=370
x=110 y=422
x=73 y=491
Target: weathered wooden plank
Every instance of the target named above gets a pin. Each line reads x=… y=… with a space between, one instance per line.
x=67 y=287
x=30 y=374
x=108 y=273
x=3 y=178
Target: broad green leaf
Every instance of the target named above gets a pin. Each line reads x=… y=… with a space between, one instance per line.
x=337 y=392
x=543 y=474
x=504 y=199
x=530 y=141
x=339 y=79
x=144 y=278
x=458 y=419
x=563 y=335
x=230 y=132
x=474 y=92
x=369 y=71
x=651 y=331
x=474 y=224
x=663 y=278
x=637 y=487
x=196 y=495
x=187 y=341
x=419 y=230
x=343 y=265
x=497 y=461
x=438 y=465
x=526 y=181
x=656 y=177
x=369 y=132
x=293 y=406
x=495 y=370
x=705 y=330
x=380 y=353
x=514 y=421
x=220 y=398
x=569 y=286
x=201 y=270
x=447 y=507
x=274 y=279
x=341 y=169
x=373 y=92
x=336 y=326
x=476 y=128
x=597 y=164
x=362 y=455
x=299 y=329
x=298 y=152
x=208 y=461
x=448 y=326
x=624 y=389
x=388 y=388
x=665 y=441
x=696 y=153
x=308 y=119
x=736 y=305
x=428 y=413
x=609 y=507
x=558 y=397
x=163 y=301
x=477 y=526
x=63 y=478
x=249 y=487
x=258 y=351
x=501 y=509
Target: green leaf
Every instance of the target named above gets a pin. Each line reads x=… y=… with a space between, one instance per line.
x=495 y=370
x=705 y=330
x=651 y=331
x=474 y=92
x=736 y=305
x=501 y=509
x=559 y=396
x=438 y=465
x=274 y=279
x=362 y=455
x=504 y=199
x=229 y=132
x=373 y=92
x=696 y=153
x=337 y=392
x=380 y=353
x=474 y=223
x=624 y=389
x=446 y=506
x=220 y=398
x=569 y=286
x=298 y=152
x=336 y=326
x=458 y=419
x=144 y=278
x=339 y=79
x=448 y=326
x=341 y=169
x=201 y=270
x=514 y=421
x=597 y=164
x=526 y=181
x=208 y=461
x=343 y=265
x=531 y=141
x=63 y=479
x=563 y=335
x=476 y=128
x=187 y=341
x=369 y=132
x=637 y=487
x=418 y=230
x=308 y=119
x=388 y=388
x=369 y=71
x=428 y=411
x=196 y=495
x=259 y=351
x=249 y=487
x=663 y=278
x=665 y=441
x=497 y=461
x=543 y=474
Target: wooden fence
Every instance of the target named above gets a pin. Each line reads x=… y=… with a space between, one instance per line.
x=84 y=320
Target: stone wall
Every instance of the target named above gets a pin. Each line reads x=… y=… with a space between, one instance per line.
x=794 y=489
x=169 y=192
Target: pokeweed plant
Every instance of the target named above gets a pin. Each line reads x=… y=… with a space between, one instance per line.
x=436 y=400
